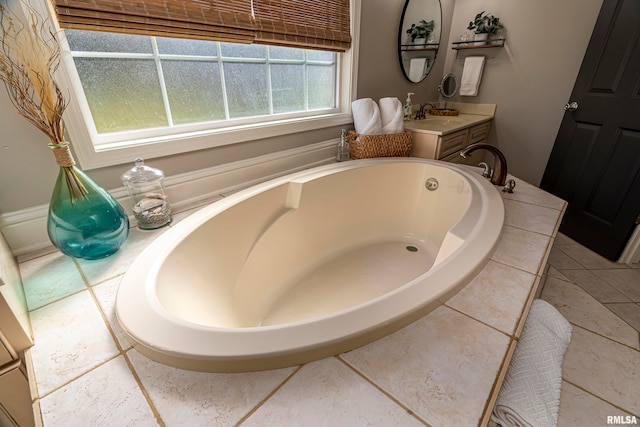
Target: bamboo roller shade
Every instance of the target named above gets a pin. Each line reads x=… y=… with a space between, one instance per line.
x=309 y=24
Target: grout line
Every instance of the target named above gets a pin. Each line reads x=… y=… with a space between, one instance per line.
x=617 y=302
x=605 y=337
x=605 y=306
x=477 y=320
x=123 y=352
x=532 y=204
x=35 y=254
x=119 y=352
x=514 y=267
x=269 y=395
x=105 y=319
x=143 y=390
x=529 y=230
x=104 y=362
x=492 y=398
x=598 y=397
x=382 y=390
x=590 y=293
x=31 y=310
x=82 y=275
x=526 y=308
x=37 y=413
x=582 y=262
x=624 y=320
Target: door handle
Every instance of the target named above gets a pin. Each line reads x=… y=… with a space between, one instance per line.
x=571 y=106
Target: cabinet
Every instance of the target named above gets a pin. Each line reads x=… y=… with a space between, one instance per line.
x=447 y=147
x=15 y=337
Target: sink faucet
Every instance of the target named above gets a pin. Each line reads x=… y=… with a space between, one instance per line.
x=422 y=111
x=499 y=176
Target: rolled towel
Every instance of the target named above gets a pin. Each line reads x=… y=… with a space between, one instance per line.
x=366 y=116
x=471 y=75
x=391 y=115
x=530 y=393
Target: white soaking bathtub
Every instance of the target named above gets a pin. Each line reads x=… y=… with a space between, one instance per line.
x=309 y=265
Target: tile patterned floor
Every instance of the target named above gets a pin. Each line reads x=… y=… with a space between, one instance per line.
x=601 y=373
x=601 y=299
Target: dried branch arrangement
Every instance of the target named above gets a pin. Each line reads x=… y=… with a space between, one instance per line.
x=29 y=58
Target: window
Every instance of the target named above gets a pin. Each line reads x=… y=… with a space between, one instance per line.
x=139 y=82
x=139 y=95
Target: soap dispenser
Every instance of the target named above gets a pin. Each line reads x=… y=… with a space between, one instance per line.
x=148 y=199
x=342 y=153
x=408 y=107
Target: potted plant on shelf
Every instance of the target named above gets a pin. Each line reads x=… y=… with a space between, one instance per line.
x=484 y=26
x=418 y=33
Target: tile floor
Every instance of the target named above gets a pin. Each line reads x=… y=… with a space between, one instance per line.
x=601 y=371
x=601 y=300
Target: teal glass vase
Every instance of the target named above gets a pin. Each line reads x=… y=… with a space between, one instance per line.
x=84 y=220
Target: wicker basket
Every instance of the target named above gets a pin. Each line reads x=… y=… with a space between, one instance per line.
x=384 y=145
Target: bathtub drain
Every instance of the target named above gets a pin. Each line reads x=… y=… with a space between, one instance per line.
x=412 y=248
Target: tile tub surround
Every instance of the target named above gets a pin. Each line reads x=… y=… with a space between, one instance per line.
x=444 y=369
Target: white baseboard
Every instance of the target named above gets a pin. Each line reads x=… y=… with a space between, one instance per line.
x=631 y=253
x=26 y=230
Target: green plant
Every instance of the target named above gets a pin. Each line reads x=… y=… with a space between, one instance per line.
x=420 y=30
x=482 y=23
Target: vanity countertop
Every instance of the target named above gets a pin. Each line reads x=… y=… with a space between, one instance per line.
x=444 y=125
x=443 y=370
x=470 y=115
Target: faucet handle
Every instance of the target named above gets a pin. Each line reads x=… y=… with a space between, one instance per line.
x=487 y=172
x=509 y=186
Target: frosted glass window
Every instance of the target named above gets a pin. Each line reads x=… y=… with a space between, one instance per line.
x=321 y=80
x=194 y=91
x=123 y=94
x=247 y=86
x=320 y=55
x=139 y=82
x=235 y=50
x=276 y=52
x=287 y=87
x=95 y=41
x=172 y=46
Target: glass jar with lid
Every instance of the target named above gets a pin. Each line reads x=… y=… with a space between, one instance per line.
x=148 y=198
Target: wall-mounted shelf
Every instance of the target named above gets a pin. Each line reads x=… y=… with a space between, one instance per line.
x=419 y=47
x=477 y=44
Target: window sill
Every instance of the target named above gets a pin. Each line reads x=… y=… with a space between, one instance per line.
x=91 y=156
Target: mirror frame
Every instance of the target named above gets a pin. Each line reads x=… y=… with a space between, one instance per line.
x=443 y=87
x=405 y=53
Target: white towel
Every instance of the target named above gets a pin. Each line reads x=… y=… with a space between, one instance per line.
x=391 y=115
x=530 y=394
x=366 y=116
x=416 y=69
x=471 y=75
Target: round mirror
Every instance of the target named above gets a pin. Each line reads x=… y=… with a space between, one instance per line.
x=419 y=38
x=448 y=86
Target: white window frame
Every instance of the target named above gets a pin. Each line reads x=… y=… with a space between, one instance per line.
x=93 y=150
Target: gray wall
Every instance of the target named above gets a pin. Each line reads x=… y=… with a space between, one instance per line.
x=379 y=73
x=529 y=80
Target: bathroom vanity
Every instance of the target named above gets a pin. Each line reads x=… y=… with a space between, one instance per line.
x=443 y=137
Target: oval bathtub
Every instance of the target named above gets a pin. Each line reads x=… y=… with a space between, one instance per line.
x=309 y=265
